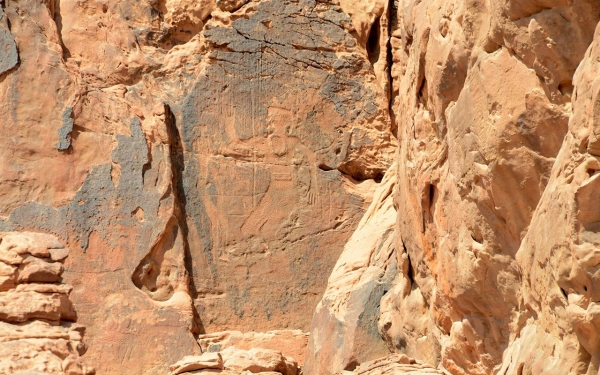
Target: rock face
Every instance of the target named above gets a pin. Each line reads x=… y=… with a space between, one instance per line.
x=559 y=255
x=205 y=161
x=482 y=96
x=344 y=329
x=397 y=364
x=10 y=56
x=264 y=186
x=485 y=110
x=38 y=333
x=286 y=114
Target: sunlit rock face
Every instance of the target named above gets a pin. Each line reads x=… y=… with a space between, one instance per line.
x=482 y=98
x=286 y=186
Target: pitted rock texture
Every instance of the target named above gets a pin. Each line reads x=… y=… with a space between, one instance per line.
x=38 y=333
x=483 y=115
x=559 y=254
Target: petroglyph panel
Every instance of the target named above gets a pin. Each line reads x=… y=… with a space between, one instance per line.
x=270 y=123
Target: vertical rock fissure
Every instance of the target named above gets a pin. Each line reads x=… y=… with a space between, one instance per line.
x=390 y=63
x=56 y=15
x=410 y=270
x=177 y=166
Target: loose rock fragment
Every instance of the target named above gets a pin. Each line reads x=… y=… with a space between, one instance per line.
x=192 y=363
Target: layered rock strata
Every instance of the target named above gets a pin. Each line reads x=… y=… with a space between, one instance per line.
x=38 y=329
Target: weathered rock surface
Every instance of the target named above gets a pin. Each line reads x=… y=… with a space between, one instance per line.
x=286 y=103
x=9 y=57
x=482 y=95
x=395 y=364
x=206 y=161
x=483 y=114
x=558 y=326
x=200 y=362
x=290 y=342
x=38 y=333
x=238 y=361
x=415 y=176
x=344 y=330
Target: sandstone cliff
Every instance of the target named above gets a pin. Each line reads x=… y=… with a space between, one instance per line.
x=276 y=186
